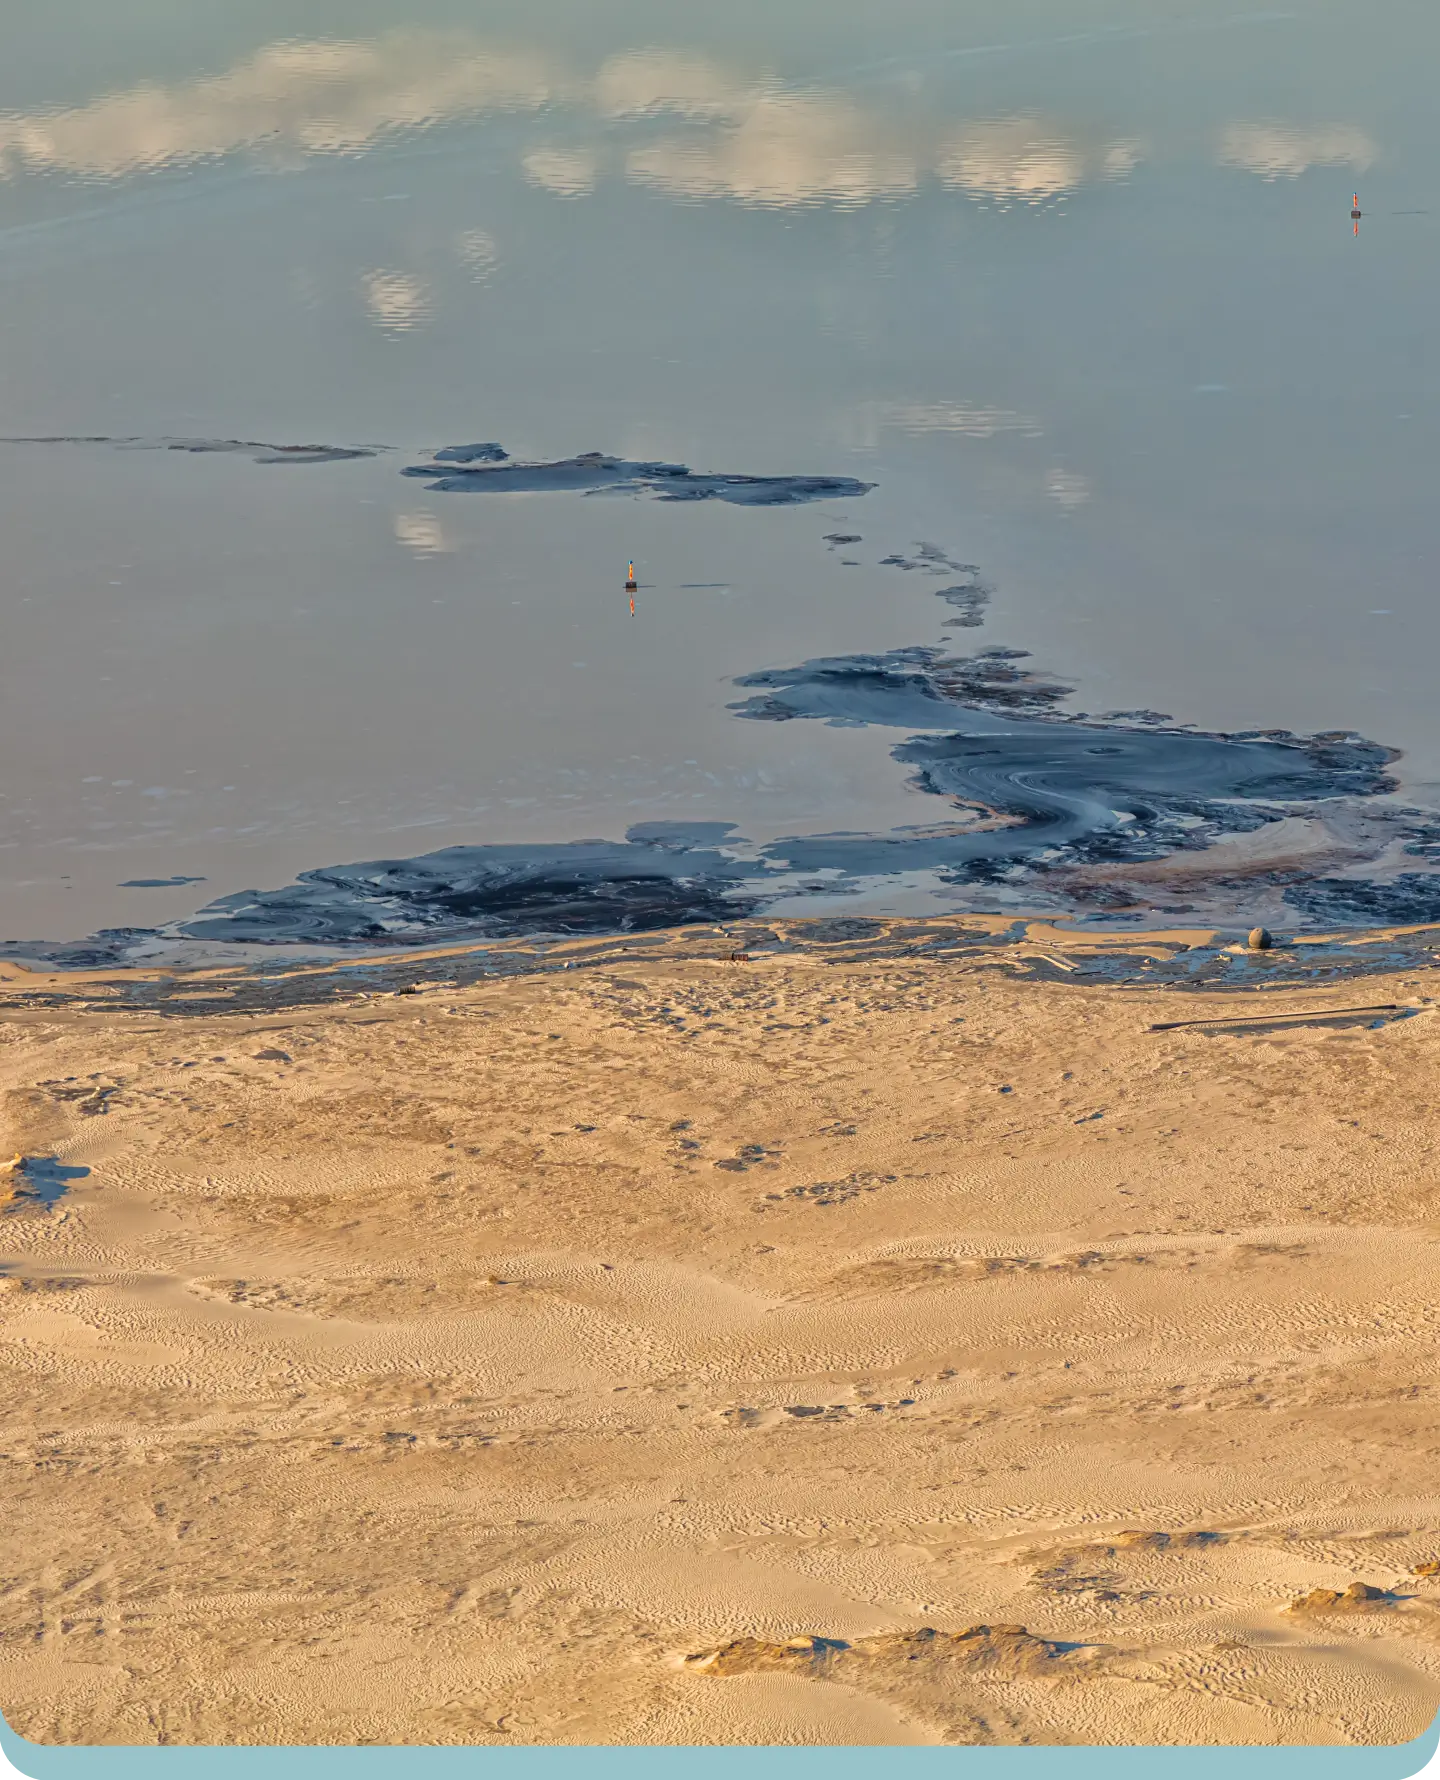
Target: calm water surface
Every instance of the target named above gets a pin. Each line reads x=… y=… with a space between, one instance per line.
x=1074 y=287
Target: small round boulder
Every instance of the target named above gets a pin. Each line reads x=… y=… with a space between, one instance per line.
x=1260 y=939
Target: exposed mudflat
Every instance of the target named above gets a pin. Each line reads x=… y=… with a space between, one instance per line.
x=1124 y=815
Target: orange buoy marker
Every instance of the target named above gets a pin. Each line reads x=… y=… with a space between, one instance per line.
x=1355 y=212
x=630 y=582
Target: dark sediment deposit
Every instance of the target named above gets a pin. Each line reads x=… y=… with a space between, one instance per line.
x=1059 y=792
x=255 y=449
x=927 y=559
x=1109 y=817
x=108 y=949
x=1408 y=899
x=487 y=469
x=662 y=874
x=970 y=599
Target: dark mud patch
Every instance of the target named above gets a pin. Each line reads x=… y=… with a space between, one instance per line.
x=487 y=469
x=108 y=949
x=1050 y=792
x=969 y=598
x=269 y=982
x=927 y=559
x=255 y=449
x=661 y=875
x=1409 y=900
x=920 y=687
x=1118 y=817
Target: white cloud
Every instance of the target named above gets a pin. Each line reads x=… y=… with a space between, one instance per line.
x=1285 y=151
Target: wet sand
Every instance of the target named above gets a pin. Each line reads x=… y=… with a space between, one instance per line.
x=895 y=1335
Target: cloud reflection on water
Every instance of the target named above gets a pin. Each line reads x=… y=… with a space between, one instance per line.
x=1285 y=151
x=478 y=252
x=786 y=149
x=398 y=302
x=421 y=534
x=565 y=172
x=652 y=82
x=1011 y=158
x=752 y=139
x=316 y=97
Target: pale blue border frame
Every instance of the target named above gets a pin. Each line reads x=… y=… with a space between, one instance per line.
x=1392 y=1761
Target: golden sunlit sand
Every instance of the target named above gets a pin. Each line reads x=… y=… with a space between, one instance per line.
x=675 y=1350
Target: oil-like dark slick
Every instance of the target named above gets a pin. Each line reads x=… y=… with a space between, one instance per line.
x=487 y=469
x=1405 y=899
x=663 y=874
x=1057 y=792
x=256 y=450
x=1114 y=814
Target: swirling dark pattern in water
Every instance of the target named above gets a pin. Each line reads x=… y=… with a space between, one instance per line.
x=1074 y=790
x=1069 y=791
x=1053 y=793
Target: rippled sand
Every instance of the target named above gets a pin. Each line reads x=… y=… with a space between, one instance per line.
x=796 y=1350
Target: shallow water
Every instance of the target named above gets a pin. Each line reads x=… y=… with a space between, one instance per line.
x=1077 y=293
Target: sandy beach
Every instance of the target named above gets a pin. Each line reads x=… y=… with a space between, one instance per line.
x=819 y=1347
